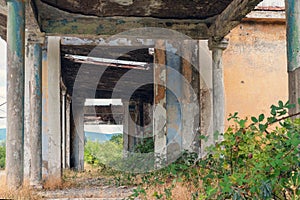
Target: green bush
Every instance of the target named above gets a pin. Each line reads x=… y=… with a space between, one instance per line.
x=97 y=153
x=2 y=155
x=255 y=160
x=109 y=154
x=146 y=146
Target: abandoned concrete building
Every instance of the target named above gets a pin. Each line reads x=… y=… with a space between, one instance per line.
x=152 y=55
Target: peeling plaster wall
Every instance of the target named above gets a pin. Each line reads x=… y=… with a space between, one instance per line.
x=255 y=68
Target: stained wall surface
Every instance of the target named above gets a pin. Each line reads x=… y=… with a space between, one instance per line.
x=255 y=68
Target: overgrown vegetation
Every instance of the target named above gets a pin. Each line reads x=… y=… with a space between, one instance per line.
x=256 y=160
x=109 y=155
x=104 y=153
x=2 y=155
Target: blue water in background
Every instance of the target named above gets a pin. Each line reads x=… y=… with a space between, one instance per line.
x=89 y=135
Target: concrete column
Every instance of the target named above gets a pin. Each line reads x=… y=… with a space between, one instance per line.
x=54 y=116
x=34 y=62
x=190 y=103
x=27 y=142
x=68 y=130
x=125 y=128
x=77 y=135
x=217 y=48
x=160 y=109
x=293 y=51
x=15 y=93
x=174 y=101
x=63 y=126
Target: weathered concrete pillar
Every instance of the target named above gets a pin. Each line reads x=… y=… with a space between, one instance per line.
x=77 y=135
x=217 y=48
x=160 y=109
x=190 y=103
x=68 y=130
x=126 y=117
x=293 y=51
x=34 y=62
x=54 y=122
x=45 y=100
x=63 y=125
x=176 y=99
x=15 y=93
x=27 y=142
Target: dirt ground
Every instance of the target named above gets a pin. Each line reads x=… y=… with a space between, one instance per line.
x=86 y=185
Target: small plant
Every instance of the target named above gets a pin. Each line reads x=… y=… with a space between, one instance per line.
x=2 y=155
x=146 y=146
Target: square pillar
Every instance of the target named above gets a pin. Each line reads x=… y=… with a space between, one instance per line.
x=54 y=115
x=160 y=109
x=176 y=99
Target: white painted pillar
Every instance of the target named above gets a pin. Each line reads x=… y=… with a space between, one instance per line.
x=217 y=48
x=54 y=116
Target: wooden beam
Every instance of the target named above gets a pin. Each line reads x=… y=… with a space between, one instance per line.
x=114 y=25
x=92 y=40
x=231 y=17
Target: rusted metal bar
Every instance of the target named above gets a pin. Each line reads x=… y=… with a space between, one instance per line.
x=109 y=62
x=15 y=93
x=293 y=51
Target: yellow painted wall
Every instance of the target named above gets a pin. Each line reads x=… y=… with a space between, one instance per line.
x=255 y=69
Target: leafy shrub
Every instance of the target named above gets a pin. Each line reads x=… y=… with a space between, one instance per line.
x=146 y=146
x=255 y=160
x=2 y=155
x=97 y=153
